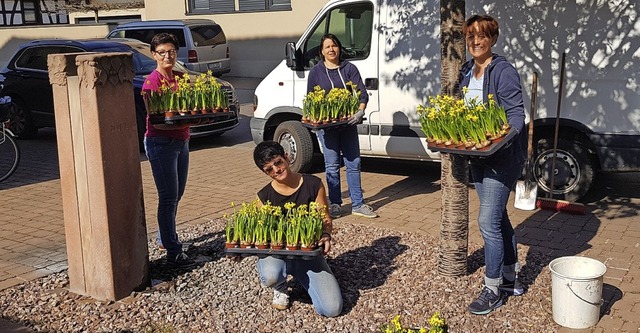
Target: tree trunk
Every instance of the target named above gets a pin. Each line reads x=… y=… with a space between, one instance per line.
x=454 y=227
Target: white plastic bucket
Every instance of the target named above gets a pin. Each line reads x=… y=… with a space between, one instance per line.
x=576 y=291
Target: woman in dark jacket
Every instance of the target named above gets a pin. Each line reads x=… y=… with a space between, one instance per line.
x=338 y=143
x=494 y=177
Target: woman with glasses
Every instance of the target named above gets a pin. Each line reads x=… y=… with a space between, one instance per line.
x=314 y=274
x=167 y=148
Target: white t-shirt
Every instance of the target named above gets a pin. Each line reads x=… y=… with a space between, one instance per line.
x=474 y=90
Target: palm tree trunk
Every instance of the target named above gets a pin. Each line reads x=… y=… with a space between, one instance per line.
x=454 y=227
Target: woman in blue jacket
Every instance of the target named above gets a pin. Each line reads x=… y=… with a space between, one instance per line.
x=330 y=73
x=494 y=177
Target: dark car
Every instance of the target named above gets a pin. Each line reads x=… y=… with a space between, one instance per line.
x=25 y=78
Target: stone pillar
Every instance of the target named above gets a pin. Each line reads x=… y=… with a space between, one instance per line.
x=100 y=173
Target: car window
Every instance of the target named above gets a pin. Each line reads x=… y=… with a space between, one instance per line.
x=208 y=35
x=146 y=34
x=143 y=64
x=36 y=57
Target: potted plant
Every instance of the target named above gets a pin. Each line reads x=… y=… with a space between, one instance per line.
x=292 y=237
x=217 y=98
x=200 y=89
x=244 y=224
x=230 y=240
x=337 y=105
x=261 y=234
x=162 y=101
x=311 y=220
x=437 y=324
x=196 y=98
x=277 y=232
x=449 y=121
x=184 y=94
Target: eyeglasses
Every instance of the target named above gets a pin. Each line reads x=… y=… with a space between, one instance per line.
x=279 y=163
x=171 y=53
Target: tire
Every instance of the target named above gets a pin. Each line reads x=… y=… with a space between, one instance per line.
x=9 y=155
x=574 y=169
x=297 y=143
x=20 y=121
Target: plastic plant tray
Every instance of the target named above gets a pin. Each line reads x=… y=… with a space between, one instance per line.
x=482 y=152
x=333 y=124
x=189 y=118
x=286 y=254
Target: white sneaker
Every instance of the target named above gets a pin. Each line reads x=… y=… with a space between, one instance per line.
x=365 y=211
x=280 y=300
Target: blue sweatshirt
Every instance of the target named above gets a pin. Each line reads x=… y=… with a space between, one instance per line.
x=320 y=75
x=502 y=80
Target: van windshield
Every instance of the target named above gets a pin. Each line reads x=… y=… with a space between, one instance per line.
x=351 y=23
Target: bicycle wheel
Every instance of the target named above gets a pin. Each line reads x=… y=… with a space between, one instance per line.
x=9 y=156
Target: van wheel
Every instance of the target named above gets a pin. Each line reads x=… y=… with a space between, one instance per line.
x=297 y=143
x=574 y=169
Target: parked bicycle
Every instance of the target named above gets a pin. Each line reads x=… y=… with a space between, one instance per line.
x=9 y=152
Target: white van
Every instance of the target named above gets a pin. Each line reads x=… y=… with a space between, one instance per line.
x=203 y=44
x=396 y=47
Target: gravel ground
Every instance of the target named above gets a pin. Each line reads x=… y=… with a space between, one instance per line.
x=382 y=273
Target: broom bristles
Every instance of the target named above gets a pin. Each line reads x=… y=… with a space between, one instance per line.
x=560 y=206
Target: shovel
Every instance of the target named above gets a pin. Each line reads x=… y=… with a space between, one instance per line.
x=527 y=189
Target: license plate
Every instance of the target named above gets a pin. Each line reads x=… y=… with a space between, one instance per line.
x=215 y=65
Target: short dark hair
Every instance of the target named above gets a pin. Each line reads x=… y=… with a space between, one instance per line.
x=267 y=151
x=335 y=41
x=486 y=23
x=164 y=38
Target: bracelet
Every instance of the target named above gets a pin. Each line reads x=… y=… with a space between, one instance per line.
x=326 y=233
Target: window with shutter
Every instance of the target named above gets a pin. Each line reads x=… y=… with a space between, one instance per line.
x=251 y=5
x=231 y=6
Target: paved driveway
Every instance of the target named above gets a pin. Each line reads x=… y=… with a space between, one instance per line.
x=405 y=194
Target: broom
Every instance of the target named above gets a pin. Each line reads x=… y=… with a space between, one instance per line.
x=549 y=203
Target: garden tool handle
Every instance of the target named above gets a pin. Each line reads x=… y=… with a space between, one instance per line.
x=534 y=93
x=557 y=126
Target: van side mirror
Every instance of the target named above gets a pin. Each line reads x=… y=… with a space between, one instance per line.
x=290 y=55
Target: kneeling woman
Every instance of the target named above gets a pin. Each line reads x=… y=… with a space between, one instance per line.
x=314 y=275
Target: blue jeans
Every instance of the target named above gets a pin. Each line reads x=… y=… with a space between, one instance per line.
x=314 y=275
x=336 y=143
x=494 y=187
x=169 y=159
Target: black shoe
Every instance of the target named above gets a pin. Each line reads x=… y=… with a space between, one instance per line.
x=181 y=260
x=486 y=302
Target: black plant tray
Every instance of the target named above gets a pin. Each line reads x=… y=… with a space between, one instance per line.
x=284 y=254
x=189 y=118
x=333 y=124
x=482 y=152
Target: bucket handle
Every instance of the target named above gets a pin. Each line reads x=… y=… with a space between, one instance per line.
x=584 y=300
